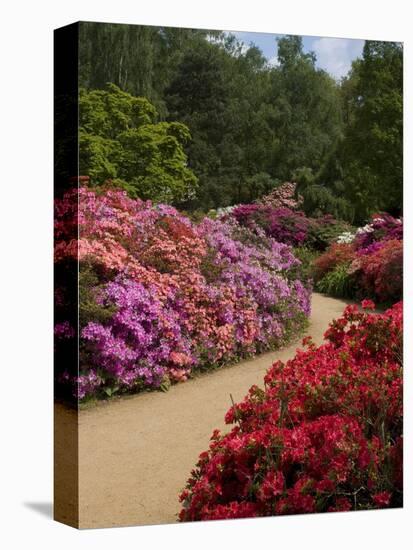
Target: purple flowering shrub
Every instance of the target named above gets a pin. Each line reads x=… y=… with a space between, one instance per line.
x=289 y=226
x=161 y=297
x=382 y=227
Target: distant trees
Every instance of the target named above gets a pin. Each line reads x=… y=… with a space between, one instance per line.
x=199 y=96
x=252 y=124
x=372 y=154
x=363 y=172
x=139 y=59
x=249 y=119
x=308 y=107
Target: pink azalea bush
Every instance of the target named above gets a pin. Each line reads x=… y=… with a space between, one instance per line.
x=164 y=297
x=285 y=195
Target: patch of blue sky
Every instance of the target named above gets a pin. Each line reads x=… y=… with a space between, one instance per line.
x=334 y=55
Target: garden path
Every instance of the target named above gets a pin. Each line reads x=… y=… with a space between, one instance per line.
x=135 y=454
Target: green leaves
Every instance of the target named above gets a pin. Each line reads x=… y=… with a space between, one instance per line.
x=110 y=391
x=165 y=384
x=120 y=140
x=251 y=122
x=373 y=145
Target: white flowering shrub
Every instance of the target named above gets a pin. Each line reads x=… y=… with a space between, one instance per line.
x=346 y=238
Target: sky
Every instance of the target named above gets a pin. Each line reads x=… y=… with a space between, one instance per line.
x=334 y=55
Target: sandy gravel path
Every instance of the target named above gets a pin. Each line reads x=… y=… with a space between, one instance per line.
x=135 y=454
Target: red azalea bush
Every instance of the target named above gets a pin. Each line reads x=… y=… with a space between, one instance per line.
x=335 y=255
x=381 y=272
x=324 y=435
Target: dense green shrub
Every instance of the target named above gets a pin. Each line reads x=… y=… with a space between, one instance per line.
x=307 y=256
x=325 y=230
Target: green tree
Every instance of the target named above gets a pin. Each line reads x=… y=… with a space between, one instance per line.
x=120 y=139
x=321 y=199
x=219 y=92
x=372 y=153
x=199 y=97
x=308 y=117
x=139 y=59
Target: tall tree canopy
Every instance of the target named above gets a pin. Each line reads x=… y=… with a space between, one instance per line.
x=307 y=101
x=253 y=124
x=372 y=154
x=139 y=59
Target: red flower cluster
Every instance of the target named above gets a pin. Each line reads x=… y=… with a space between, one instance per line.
x=336 y=254
x=324 y=435
x=381 y=272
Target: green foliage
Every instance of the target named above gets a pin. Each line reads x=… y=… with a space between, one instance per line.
x=257 y=186
x=319 y=199
x=363 y=171
x=337 y=282
x=89 y=309
x=251 y=123
x=120 y=139
x=306 y=255
x=200 y=96
x=139 y=59
x=323 y=232
x=373 y=146
x=308 y=109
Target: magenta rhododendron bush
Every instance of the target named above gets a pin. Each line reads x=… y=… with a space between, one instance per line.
x=161 y=296
x=278 y=215
x=325 y=434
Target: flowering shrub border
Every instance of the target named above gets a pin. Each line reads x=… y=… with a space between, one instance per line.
x=161 y=296
x=324 y=435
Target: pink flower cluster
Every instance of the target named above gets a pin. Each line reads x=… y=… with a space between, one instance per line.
x=175 y=296
x=285 y=195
